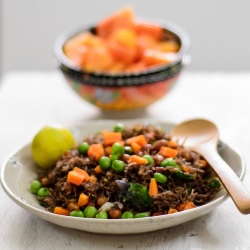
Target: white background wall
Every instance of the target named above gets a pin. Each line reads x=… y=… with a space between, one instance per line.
x=219 y=29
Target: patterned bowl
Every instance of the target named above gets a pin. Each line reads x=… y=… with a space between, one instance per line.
x=124 y=91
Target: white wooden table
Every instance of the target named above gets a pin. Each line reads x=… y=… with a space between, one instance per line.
x=30 y=100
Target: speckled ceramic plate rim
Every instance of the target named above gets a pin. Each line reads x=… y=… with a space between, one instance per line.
x=21 y=168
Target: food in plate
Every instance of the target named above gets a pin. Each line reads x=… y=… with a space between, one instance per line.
x=130 y=172
x=121 y=44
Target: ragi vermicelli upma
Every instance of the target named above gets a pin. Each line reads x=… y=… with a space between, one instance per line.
x=129 y=172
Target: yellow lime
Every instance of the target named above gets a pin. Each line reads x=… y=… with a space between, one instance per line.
x=50 y=143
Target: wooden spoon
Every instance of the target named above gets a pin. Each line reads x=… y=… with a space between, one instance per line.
x=202 y=136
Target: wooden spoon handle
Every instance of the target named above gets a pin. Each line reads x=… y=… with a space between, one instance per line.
x=230 y=180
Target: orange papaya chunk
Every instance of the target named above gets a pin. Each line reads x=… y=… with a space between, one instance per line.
x=144 y=42
x=97 y=59
x=121 y=19
x=151 y=30
x=125 y=37
x=153 y=57
x=77 y=55
x=168 y=46
x=121 y=53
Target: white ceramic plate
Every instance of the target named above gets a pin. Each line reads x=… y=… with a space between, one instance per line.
x=19 y=170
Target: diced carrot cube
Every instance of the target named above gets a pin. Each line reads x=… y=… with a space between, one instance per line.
x=96 y=151
x=82 y=200
x=153 y=187
x=75 y=178
x=168 y=152
x=111 y=137
x=186 y=206
x=98 y=169
x=135 y=147
x=83 y=172
x=138 y=159
x=140 y=139
x=172 y=210
x=61 y=211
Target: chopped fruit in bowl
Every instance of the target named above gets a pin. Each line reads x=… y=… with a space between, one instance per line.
x=122 y=63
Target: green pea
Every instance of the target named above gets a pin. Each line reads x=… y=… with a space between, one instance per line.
x=119 y=127
x=117 y=149
x=214 y=183
x=114 y=157
x=102 y=215
x=118 y=166
x=83 y=148
x=35 y=186
x=43 y=192
x=128 y=150
x=142 y=215
x=160 y=178
x=127 y=215
x=169 y=162
x=76 y=213
x=105 y=162
x=90 y=212
x=149 y=158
